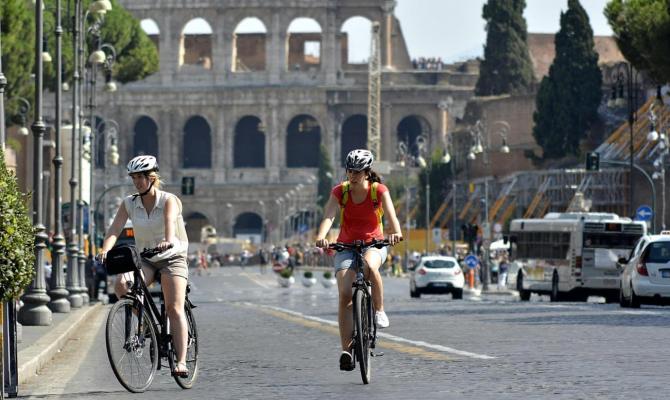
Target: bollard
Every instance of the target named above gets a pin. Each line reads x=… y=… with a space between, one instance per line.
x=471 y=278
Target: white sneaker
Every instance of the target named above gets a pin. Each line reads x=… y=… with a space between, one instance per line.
x=382 y=319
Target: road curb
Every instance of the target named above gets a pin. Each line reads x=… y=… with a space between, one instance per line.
x=34 y=357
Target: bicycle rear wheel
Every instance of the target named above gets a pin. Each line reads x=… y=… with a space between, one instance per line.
x=362 y=337
x=191 y=352
x=133 y=354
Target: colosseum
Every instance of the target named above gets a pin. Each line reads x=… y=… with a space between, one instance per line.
x=243 y=112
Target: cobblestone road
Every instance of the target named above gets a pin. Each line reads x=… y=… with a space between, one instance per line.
x=259 y=341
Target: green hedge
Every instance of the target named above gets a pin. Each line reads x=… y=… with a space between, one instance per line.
x=17 y=241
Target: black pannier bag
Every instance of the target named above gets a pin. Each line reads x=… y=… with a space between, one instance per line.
x=122 y=258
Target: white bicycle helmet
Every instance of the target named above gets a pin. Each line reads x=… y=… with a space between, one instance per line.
x=358 y=160
x=142 y=164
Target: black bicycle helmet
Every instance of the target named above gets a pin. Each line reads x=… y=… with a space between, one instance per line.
x=358 y=160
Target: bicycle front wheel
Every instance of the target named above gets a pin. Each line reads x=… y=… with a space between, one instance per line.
x=191 y=352
x=132 y=351
x=362 y=337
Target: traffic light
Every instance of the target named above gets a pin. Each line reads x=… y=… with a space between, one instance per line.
x=593 y=161
x=187 y=185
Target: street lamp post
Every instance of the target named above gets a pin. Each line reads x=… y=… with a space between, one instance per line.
x=35 y=310
x=72 y=279
x=663 y=149
x=482 y=145
x=98 y=9
x=624 y=75
x=262 y=204
x=58 y=294
x=97 y=57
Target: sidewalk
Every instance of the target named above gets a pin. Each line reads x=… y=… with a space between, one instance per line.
x=39 y=344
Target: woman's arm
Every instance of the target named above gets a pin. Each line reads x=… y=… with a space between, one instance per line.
x=389 y=211
x=114 y=230
x=329 y=214
x=170 y=217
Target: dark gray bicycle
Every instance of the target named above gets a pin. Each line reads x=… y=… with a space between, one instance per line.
x=365 y=325
x=138 y=336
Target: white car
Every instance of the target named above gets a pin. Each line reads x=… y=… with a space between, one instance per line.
x=645 y=275
x=436 y=275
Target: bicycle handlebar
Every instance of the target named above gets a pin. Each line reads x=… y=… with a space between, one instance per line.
x=359 y=244
x=148 y=253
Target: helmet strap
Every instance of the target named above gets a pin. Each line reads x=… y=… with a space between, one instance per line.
x=145 y=192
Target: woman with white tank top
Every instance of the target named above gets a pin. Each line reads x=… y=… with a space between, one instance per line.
x=157 y=222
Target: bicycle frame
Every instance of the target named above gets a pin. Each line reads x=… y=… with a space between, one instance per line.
x=362 y=284
x=139 y=292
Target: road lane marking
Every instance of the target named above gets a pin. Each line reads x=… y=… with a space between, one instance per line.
x=255 y=280
x=392 y=342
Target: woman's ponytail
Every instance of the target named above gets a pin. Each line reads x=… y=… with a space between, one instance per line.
x=373 y=177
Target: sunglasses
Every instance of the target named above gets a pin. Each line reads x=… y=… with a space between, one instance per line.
x=353 y=171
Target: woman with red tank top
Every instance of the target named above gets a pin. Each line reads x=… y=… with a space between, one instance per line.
x=361 y=220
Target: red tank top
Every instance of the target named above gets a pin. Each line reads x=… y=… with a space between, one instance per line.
x=360 y=221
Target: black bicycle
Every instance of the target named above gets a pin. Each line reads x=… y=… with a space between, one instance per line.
x=138 y=336
x=364 y=337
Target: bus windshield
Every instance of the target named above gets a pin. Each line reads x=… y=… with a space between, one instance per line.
x=610 y=240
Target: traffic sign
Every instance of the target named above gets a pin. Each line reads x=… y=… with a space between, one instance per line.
x=643 y=213
x=437 y=235
x=471 y=261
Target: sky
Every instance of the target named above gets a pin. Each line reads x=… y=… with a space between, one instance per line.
x=455 y=30
x=451 y=29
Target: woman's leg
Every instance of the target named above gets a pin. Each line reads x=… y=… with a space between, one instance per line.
x=124 y=281
x=174 y=290
x=374 y=261
x=345 y=278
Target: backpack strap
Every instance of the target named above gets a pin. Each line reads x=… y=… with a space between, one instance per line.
x=344 y=199
x=379 y=210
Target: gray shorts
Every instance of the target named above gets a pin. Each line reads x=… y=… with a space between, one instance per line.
x=344 y=259
x=173 y=266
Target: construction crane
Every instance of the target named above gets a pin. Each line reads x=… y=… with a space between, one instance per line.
x=374 y=92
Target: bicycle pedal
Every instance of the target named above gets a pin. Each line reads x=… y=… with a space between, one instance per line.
x=373 y=354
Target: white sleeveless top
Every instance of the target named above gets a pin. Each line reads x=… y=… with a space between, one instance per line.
x=150 y=229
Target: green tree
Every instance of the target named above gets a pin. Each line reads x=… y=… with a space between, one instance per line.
x=18 y=37
x=506 y=67
x=136 y=55
x=325 y=177
x=642 y=29
x=568 y=99
x=438 y=175
x=16 y=237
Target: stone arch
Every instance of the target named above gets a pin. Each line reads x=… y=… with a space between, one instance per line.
x=195 y=47
x=303 y=39
x=410 y=128
x=249 y=143
x=303 y=138
x=145 y=136
x=150 y=27
x=194 y=222
x=249 y=44
x=355 y=29
x=248 y=224
x=197 y=143
x=354 y=135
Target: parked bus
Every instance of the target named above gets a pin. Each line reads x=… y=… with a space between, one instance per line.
x=570 y=255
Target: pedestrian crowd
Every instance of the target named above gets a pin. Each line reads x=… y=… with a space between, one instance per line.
x=431 y=63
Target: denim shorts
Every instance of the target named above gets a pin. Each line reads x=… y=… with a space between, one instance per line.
x=344 y=259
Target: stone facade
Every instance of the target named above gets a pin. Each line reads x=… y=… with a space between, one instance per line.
x=199 y=97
